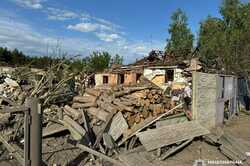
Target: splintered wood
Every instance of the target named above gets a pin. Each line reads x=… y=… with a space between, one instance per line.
x=97 y=121
x=75 y=114
x=135 y=103
x=167 y=135
x=118 y=126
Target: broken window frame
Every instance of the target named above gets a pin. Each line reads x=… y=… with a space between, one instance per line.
x=105 y=79
x=167 y=75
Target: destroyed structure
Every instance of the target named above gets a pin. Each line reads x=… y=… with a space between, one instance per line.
x=133 y=111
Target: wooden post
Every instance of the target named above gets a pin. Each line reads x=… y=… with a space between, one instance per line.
x=35 y=147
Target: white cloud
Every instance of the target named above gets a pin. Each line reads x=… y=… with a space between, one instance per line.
x=90 y=27
x=85 y=18
x=102 y=32
x=101 y=28
x=59 y=14
x=34 y=4
x=84 y=27
x=32 y=42
x=108 y=37
x=140 y=48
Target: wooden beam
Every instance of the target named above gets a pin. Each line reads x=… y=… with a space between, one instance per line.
x=53 y=129
x=76 y=114
x=84 y=99
x=75 y=129
x=172 y=151
x=167 y=135
x=98 y=113
x=137 y=128
x=104 y=129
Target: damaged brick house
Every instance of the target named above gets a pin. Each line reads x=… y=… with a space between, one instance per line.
x=115 y=76
x=165 y=72
x=156 y=67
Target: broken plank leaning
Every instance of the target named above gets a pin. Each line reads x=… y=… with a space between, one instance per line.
x=172 y=151
x=118 y=126
x=167 y=135
x=100 y=134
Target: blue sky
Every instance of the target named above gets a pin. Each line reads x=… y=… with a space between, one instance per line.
x=128 y=27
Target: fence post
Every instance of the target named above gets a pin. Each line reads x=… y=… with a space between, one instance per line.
x=35 y=146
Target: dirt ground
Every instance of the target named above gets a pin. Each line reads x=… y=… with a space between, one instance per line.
x=239 y=127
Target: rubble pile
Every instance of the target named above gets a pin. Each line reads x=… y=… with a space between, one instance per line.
x=104 y=120
x=118 y=125
x=135 y=103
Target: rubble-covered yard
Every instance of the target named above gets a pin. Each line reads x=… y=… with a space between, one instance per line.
x=120 y=125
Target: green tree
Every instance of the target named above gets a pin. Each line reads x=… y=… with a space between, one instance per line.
x=211 y=42
x=224 y=42
x=98 y=61
x=117 y=59
x=181 y=39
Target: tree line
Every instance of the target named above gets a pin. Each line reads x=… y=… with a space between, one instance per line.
x=95 y=62
x=222 y=43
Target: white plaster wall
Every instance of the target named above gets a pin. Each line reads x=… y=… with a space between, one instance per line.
x=151 y=73
x=98 y=79
x=178 y=76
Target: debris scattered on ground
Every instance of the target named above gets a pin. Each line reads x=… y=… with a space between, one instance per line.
x=121 y=125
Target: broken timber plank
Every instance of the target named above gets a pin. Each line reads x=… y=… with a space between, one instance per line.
x=98 y=154
x=128 y=91
x=234 y=148
x=108 y=141
x=100 y=134
x=84 y=99
x=107 y=106
x=75 y=129
x=167 y=135
x=135 y=159
x=118 y=126
x=122 y=106
x=137 y=128
x=86 y=122
x=53 y=129
x=170 y=121
x=12 y=150
x=93 y=92
x=231 y=154
x=84 y=105
x=98 y=113
x=76 y=114
x=172 y=151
